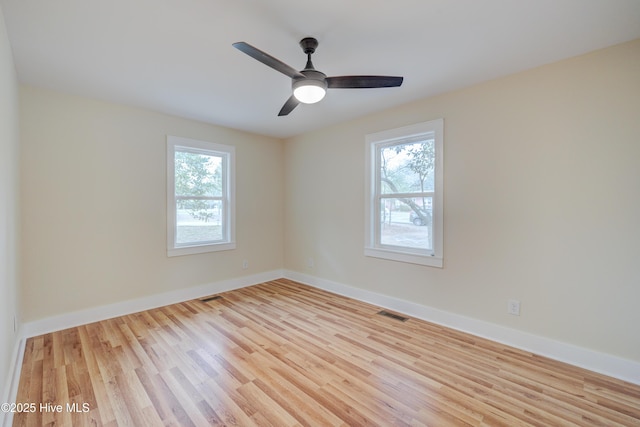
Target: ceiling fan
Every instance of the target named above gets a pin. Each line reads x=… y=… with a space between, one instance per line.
x=310 y=85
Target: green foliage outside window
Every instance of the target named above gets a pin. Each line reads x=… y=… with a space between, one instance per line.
x=198 y=178
x=409 y=168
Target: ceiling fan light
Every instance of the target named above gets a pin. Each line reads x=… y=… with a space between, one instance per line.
x=309 y=91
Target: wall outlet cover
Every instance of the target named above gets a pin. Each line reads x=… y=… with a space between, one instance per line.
x=513 y=307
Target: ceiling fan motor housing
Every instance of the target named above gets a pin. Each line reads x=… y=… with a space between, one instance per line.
x=310 y=75
x=314 y=84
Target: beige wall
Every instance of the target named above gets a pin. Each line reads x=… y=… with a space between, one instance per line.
x=542 y=202
x=9 y=219
x=94 y=204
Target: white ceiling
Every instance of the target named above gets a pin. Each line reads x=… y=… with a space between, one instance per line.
x=175 y=56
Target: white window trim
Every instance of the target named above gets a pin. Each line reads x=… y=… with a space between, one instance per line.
x=374 y=249
x=174 y=142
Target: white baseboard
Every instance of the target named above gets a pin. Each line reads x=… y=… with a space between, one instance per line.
x=613 y=366
x=96 y=314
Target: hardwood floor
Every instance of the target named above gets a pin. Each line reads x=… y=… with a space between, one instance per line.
x=284 y=354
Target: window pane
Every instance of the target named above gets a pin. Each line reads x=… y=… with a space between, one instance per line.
x=405 y=181
x=198 y=221
x=198 y=174
x=407 y=168
x=407 y=222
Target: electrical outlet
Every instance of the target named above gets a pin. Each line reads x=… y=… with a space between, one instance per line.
x=310 y=262
x=513 y=307
x=245 y=264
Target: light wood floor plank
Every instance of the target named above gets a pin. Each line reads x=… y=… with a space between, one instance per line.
x=287 y=355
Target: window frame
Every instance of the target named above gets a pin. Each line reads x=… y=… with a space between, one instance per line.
x=227 y=154
x=389 y=138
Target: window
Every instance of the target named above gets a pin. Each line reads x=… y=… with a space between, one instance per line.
x=200 y=196
x=404 y=187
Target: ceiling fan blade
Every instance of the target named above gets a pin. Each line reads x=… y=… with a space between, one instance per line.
x=288 y=106
x=363 y=82
x=267 y=59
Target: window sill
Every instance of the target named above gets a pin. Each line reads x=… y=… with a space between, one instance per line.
x=410 y=258
x=190 y=250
